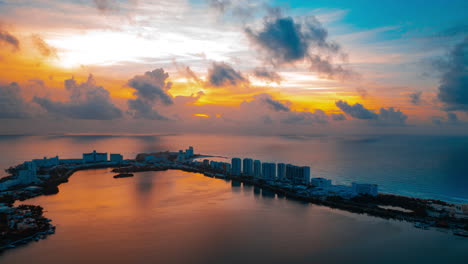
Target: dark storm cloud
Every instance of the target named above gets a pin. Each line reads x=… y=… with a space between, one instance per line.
x=222 y=74
x=286 y=41
x=9 y=39
x=281 y=38
x=139 y=108
x=45 y=49
x=453 y=89
x=12 y=105
x=357 y=110
x=415 y=98
x=87 y=101
x=274 y=104
x=338 y=117
x=267 y=75
x=150 y=88
x=386 y=116
x=390 y=116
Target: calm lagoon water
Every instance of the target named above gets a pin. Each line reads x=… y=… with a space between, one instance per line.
x=179 y=217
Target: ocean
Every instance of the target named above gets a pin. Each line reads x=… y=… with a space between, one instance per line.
x=180 y=217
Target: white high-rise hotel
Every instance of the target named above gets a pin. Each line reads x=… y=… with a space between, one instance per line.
x=236 y=166
x=247 y=167
x=270 y=171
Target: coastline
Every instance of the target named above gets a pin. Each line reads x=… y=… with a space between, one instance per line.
x=383 y=206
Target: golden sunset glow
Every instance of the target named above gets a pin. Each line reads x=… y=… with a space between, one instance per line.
x=201 y=115
x=213 y=68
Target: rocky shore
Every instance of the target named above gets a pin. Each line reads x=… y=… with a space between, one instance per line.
x=22 y=224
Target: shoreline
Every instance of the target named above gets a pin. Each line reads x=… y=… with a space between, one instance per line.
x=415 y=209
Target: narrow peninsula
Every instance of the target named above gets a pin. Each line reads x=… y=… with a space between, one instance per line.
x=24 y=223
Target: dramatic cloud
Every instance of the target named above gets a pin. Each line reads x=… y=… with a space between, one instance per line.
x=285 y=41
x=12 y=105
x=222 y=74
x=453 y=89
x=150 y=88
x=9 y=39
x=356 y=111
x=390 y=116
x=338 y=117
x=269 y=76
x=87 y=101
x=386 y=116
x=415 y=98
x=45 y=49
x=274 y=104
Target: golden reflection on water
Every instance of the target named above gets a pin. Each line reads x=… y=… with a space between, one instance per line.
x=180 y=217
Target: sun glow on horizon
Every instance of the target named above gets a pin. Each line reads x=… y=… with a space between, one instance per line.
x=201 y=115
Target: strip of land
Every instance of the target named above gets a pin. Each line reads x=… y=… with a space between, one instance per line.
x=26 y=223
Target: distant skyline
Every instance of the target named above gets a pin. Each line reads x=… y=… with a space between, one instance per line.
x=246 y=66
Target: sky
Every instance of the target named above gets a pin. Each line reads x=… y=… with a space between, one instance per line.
x=234 y=66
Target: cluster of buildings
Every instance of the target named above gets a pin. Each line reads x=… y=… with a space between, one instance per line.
x=289 y=174
x=184 y=155
x=27 y=173
x=451 y=210
x=92 y=157
x=270 y=171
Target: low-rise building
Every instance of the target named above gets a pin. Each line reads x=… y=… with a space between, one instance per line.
x=464 y=208
x=94 y=157
x=116 y=158
x=29 y=174
x=220 y=166
x=45 y=162
x=321 y=183
x=345 y=192
x=365 y=189
x=71 y=161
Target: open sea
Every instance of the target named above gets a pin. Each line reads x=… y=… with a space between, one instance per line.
x=180 y=217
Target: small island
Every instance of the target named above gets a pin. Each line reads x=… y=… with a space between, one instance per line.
x=43 y=176
x=123 y=175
